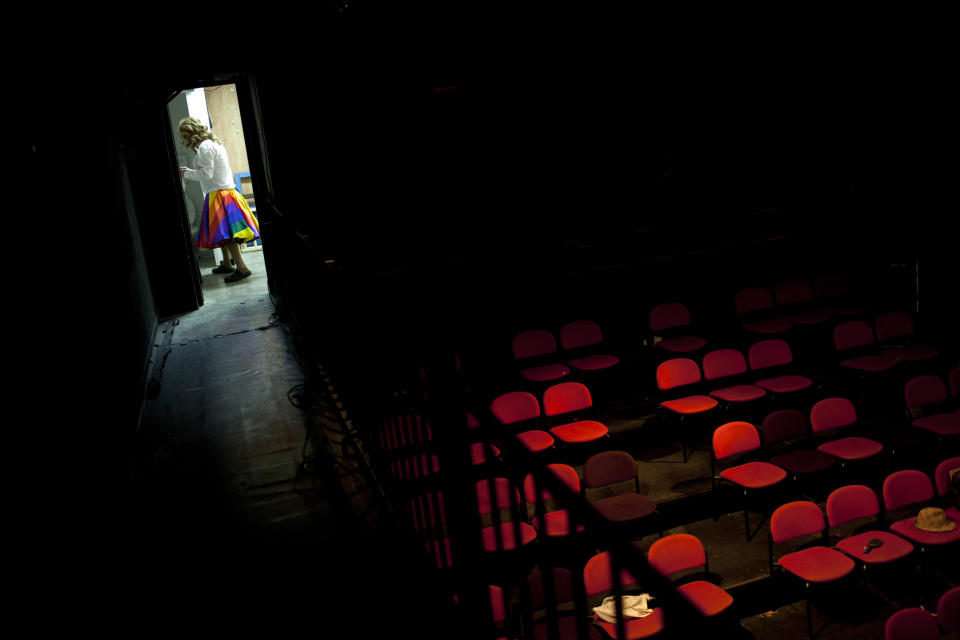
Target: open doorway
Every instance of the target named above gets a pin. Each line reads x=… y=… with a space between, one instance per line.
x=218 y=107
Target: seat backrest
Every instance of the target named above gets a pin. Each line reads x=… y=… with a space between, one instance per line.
x=581 y=333
x=676 y=552
x=608 y=467
x=598 y=574
x=948 y=610
x=677 y=372
x=852 y=334
x=893 y=324
x=769 y=353
x=515 y=406
x=441 y=552
x=941 y=475
x=851 y=502
x=795 y=519
x=483 y=452
x=831 y=284
x=405 y=430
x=784 y=424
x=566 y=397
x=498 y=603
x=955 y=381
x=734 y=438
x=428 y=510
x=722 y=363
x=532 y=343
x=751 y=299
x=832 y=413
x=909 y=486
x=669 y=315
x=923 y=390
x=415 y=466
x=790 y=292
x=388 y=434
x=564 y=472
x=913 y=623
x=500 y=488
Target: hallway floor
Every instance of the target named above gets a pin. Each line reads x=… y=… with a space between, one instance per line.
x=234 y=532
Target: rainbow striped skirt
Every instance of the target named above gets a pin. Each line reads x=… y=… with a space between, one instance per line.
x=226 y=218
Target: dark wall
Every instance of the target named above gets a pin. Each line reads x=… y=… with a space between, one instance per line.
x=493 y=192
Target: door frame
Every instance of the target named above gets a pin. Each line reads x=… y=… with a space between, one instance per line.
x=255 y=143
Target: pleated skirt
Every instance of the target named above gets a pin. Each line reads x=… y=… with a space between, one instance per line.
x=226 y=218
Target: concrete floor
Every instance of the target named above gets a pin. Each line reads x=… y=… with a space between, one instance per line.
x=234 y=533
x=233 y=530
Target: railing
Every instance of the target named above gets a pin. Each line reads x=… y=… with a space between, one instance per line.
x=432 y=421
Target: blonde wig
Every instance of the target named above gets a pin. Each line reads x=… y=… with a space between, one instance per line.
x=193 y=132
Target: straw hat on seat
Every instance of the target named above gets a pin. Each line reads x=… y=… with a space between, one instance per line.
x=933 y=519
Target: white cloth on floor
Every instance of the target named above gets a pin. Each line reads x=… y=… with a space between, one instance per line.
x=633 y=607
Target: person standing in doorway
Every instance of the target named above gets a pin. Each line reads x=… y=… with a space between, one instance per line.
x=226 y=221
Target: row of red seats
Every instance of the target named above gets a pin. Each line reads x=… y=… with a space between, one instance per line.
x=533 y=345
x=820 y=564
x=731 y=440
x=535 y=516
x=813 y=565
x=760 y=310
x=763 y=356
x=924 y=397
x=673 y=557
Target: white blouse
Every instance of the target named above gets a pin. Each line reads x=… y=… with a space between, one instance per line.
x=211 y=168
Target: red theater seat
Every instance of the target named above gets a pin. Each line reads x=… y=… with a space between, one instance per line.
x=680 y=552
x=913 y=487
x=598 y=579
x=813 y=565
x=674 y=376
x=853 y=336
x=499 y=495
x=926 y=395
x=796 y=296
x=568 y=398
x=941 y=479
x=522 y=409
x=729 y=364
x=755 y=302
x=735 y=440
x=774 y=355
x=582 y=334
x=831 y=415
x=555 y=524
x=556 y=594
x=531 y=346
x=630 y=510
x=898 y=327
x=913 y=623
x=669 y=319
x=786 y=425
x=677 y=373
x=948 y=610
x=855 y=502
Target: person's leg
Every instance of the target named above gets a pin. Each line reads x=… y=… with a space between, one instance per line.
x=225 y=266
x=234 y=249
